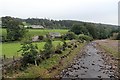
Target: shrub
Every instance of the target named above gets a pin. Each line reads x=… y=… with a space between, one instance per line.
x=118 y=36
x=29 y=53
x=64 y=45
x=83 y=37
x=2 y=39
x=69 y=46
x=58 y=49
x=48 y=48
x=41 y=37
x=69 y=36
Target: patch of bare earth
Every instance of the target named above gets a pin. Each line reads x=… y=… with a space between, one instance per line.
x=110 y=52
x=111 y=46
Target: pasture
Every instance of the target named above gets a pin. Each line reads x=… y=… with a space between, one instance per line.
x=10 y=49
x=35 y=32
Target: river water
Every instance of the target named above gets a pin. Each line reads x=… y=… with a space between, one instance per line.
x=90 y=65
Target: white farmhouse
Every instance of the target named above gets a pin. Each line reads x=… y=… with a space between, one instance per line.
x=55 y=34
x=37 y=26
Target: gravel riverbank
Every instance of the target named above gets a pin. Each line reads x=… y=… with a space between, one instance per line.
x=91 y=64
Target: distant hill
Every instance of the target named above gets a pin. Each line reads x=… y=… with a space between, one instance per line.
x=54 y=24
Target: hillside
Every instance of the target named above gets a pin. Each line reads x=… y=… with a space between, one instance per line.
x=54 y=24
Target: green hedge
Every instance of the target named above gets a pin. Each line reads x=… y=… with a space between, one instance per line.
x=83 y=37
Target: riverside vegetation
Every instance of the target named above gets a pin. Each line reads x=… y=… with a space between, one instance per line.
x=49 y=56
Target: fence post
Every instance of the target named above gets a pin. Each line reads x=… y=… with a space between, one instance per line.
x=4 y=57
x=13 y=58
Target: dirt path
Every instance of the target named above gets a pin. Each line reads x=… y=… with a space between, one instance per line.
x=90 y=65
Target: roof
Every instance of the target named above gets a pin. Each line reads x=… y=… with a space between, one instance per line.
x=35 y=38
x=37 y=26
x=55 y=34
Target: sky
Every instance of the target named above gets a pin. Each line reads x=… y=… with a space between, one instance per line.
x=98 y=11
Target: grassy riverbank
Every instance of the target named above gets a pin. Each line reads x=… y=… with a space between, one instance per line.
x=10 y=49
x=110 y=46
x=52 y=66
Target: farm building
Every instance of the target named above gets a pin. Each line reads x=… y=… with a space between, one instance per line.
x=37 y=26
x=55 y=35
x=37 y=38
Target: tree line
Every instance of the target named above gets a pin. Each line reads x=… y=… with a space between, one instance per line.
x=15 y=27
x=49 y=23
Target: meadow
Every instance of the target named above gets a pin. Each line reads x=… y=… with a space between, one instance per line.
x=10 y=48
x=35 y=32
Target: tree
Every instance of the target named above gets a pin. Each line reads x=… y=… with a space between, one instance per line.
x=58 y=49
x=103 y=32
x=79 y=29
x=83 y=37
x=92 y=30
x=118 y=36
x=15 y=29
x=29 y=52
x=69 y=36
x=48 y=48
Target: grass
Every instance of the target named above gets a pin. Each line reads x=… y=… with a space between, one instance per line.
x=3 y=31
x=110 y=51
x=34 y=32
x=110 y=46
x=10 y=49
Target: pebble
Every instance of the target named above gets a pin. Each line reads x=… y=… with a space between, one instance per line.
x=99 y=76
x=93 y=64
x=76 y=68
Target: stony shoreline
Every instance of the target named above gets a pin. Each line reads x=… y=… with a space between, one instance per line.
x=92 y=63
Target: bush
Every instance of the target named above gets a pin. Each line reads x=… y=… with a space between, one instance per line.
x=69 y=46
x=83 y=37
x=29 y=53
x=64 y=45
x=58 y=49
x=41 y=37
x=48 y=48
x=69 y=36
x=118 y=36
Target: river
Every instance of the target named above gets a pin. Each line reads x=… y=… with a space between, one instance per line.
x=90 y=65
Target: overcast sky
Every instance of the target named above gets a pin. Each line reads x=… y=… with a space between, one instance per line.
x=102 y=11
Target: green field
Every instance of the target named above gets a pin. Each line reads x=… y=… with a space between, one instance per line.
x=43 y=69
x=10 y=49
x=34 y=32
